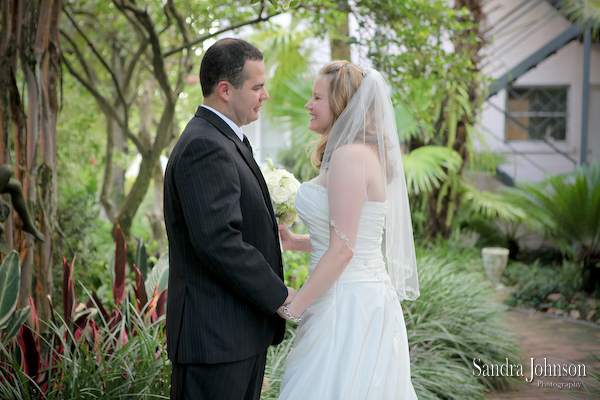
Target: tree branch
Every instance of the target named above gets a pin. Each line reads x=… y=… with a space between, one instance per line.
x=203 y=38
x=157 y=58
x=106 y=66
x=105 y=106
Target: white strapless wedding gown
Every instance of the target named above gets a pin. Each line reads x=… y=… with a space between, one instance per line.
x=351 y=343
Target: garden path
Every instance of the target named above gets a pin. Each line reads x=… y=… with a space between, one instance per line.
x=562 y=342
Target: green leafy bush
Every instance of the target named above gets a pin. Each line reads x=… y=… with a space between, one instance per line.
x=532 y=284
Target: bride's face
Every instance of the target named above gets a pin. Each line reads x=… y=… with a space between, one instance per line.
x=318 y=107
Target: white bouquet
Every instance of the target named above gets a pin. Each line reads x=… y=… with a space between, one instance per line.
x=283 y=187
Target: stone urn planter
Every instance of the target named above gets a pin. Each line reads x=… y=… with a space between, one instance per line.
x=494 y=262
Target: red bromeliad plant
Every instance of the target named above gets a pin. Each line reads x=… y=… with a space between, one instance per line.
x=93 y=347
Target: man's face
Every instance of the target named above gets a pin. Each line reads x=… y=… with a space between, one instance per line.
x=245 y=101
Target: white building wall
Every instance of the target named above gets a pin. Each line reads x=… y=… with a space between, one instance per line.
x=530 y=29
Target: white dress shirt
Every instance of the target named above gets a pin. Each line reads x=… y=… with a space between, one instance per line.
x=238 y=131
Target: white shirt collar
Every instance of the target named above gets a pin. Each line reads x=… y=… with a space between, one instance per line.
x=238 y=131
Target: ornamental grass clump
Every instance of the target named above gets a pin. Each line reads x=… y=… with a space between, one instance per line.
x=455 y=324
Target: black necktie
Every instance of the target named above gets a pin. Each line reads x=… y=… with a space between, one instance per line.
x=247 y=143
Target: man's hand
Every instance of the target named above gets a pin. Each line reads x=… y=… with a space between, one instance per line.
x=291 y=294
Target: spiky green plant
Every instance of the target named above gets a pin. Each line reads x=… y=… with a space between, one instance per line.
x=573 y=203
x=454 y=321
x=503 y=218
x=93 y=364
x=276 y=357
x=93 y=350
x=585 y=13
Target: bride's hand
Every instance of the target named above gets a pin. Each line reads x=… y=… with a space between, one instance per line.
x=286 y=237
x=287 y=314
x=293 y=241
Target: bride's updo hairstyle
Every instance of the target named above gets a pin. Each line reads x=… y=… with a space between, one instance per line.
x=343 y=79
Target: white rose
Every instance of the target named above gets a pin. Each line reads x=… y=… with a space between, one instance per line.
x=279 y=195
x=292 y=184
x=272 y=178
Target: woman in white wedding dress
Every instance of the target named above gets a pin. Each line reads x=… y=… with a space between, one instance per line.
x=351 y=340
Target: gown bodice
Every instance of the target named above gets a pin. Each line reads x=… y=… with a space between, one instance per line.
x=313 y=209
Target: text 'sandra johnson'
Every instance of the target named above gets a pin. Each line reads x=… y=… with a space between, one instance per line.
x=538 y=369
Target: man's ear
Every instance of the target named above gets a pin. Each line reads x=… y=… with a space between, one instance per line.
x=224 y=90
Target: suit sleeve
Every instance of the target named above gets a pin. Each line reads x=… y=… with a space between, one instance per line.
x=209 y=187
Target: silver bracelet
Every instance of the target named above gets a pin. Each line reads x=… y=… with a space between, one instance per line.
x=288 y=314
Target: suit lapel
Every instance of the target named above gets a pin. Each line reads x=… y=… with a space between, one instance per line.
x=222 y=126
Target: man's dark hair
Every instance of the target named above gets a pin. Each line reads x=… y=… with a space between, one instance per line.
x=224 y=61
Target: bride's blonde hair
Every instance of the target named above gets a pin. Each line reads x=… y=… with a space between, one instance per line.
x=343 y=79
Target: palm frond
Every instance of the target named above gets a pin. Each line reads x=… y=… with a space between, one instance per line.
x=288 y=58
x=573 y=202
x=289 y=111
x=408 y=127
x=427 y=167
x=585 y=13
x=490 y=205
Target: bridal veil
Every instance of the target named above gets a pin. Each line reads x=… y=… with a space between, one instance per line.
x=369 y=119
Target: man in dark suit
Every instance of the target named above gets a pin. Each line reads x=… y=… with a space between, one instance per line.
x=225 y=268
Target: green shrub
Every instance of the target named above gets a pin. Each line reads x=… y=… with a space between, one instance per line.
x=454 y=321
x=532 y=283
x=96 y=364
x=573 y=203
x=295 y=263
x=530 y=286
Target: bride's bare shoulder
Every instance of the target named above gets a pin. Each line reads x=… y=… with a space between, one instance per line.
x=354 y=152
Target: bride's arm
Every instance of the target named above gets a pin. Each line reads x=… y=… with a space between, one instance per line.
x=294 y=241
x=346 y=193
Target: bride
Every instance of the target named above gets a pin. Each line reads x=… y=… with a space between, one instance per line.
x=351 y=341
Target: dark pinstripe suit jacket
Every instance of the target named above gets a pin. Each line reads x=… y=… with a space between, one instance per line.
x=225 y=268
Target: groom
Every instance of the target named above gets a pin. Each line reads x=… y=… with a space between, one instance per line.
x=225 y=267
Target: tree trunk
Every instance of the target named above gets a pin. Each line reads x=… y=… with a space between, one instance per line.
x=30 y=44
x=443 y=203
x=46 y=50
x=156 y=217
x=340 y=34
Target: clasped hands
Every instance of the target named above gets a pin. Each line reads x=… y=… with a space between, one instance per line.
x=283 y=312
